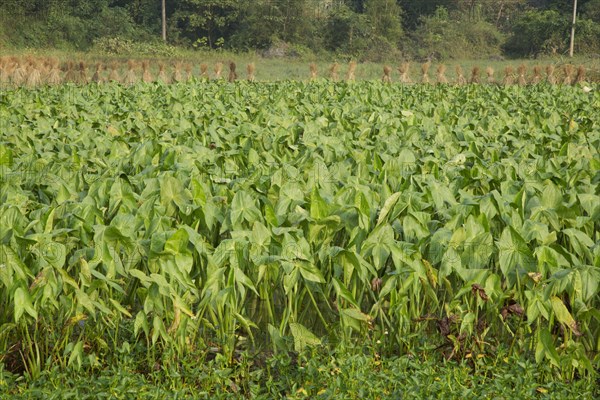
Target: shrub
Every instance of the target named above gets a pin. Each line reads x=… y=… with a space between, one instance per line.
x=446 y=36
x=538 y=32
x=126 y=47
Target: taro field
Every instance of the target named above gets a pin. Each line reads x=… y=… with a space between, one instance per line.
x=216 y=219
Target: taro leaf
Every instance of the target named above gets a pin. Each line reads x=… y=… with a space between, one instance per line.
x=414 y=226
x=121 y=194
x=590 y=278
x=343 y=292
x=276 y=338
x=551 y=257
x=141 y=322
x=310 y=272
x=76 y=357
x=319 y=208
x=9 y=258
x=173 y=192
x=580 y=241
x=6 y=158
x=260 y=241
x=467 y=323
x=53 y=253
x=477 y=251
x=177 y=243
x=354 y=318
x=451 y=261
x=545 y=347
x=292 y=249
x=158 y=330
x=514 y=253
x=389 y=204
x=22 y=303
x=535 y=307
x=437 y=245
x=551 y=196
x=563 y=315
x=382 y=237
x=303 y=338
x=243 y=208
x=364 y=210
x=590 y=203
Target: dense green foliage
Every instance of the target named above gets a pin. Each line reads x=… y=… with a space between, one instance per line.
x=316 y=374
x=365 y=29
x=215 y=218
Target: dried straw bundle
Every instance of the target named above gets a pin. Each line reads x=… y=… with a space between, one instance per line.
x=81 y=75
x=187 y=67
x=333 y=71
x=113 y=75
x=218 y=70
x=5 y=70
x=19 y=75
x=162 y=76
x=44 y=66
x=460 y=76
x=569 y=70
x=425 y=72
x=350 y=74
x=97 y=76
x=177 y=77
x=250 y=69
x=404 y=70
x=146 y=75
x=387 y=78
x=232 y=74
x=34 y=76
x=440 y=75
x=130 y=78
x=537 y=75
x=550 y=76
x=580 y=76
x=509 y=78
x=204 y=71
x=54 y=76
x=489 y=71
x=313 y=71
x=475 y=75
x=521 y=72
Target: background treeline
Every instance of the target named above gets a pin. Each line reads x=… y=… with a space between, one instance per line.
x=364 y=29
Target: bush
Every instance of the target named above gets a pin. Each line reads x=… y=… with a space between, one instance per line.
x=538 y=32
x=117 y=46
x=443 y=36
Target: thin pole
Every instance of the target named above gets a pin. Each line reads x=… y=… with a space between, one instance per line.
x=573 y=28
x=164 y=21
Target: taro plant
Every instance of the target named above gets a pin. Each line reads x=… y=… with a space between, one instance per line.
x=215 y=218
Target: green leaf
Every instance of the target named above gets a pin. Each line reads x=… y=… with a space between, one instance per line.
x=6 y=157
x=562 y=313
x=545 y=347
x=303 y=338
x=172 y=192
x=310 y=272
x=243 y=208
x=343 y=292
x=22 y=303
x=514 y=253
x=389 y=204
x=318 y=207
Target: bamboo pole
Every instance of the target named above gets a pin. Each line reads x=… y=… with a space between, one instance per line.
x=572 y=44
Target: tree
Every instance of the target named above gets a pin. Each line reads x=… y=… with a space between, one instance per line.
x=208 y=19
x=385 y=17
